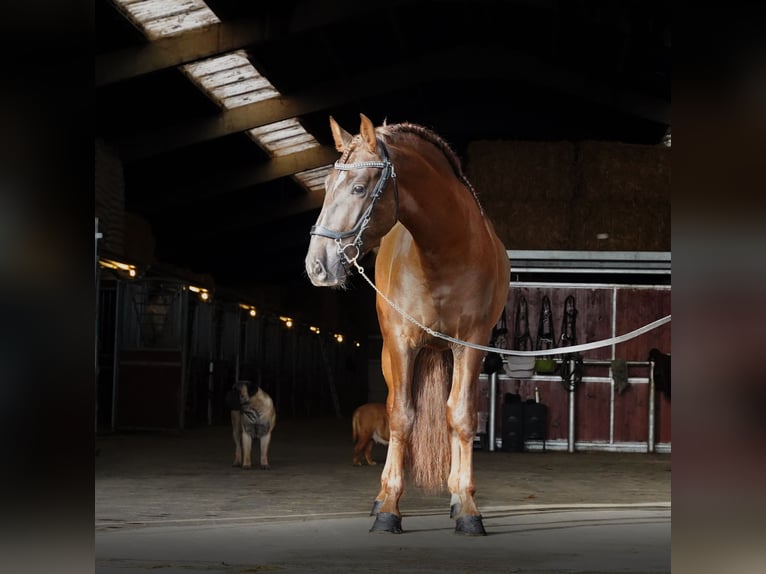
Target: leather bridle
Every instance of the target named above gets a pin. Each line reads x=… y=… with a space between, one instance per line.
x=363 y=222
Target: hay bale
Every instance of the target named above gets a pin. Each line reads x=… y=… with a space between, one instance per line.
x=520 y=170
x=630 y=226
x=531 y=224
x=109 y=198
x=612 y=171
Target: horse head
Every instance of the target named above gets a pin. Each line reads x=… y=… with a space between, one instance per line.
x=360 y=205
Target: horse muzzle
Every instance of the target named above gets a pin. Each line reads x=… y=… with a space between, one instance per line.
x=326 y=269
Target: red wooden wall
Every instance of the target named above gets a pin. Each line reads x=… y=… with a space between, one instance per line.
x=604 y=418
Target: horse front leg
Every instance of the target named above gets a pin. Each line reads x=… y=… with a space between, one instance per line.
x=462 y=419
x=397 y=373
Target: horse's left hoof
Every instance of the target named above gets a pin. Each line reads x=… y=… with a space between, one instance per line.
x=470 y=525
x=387 y=522
x=454 y=510
x=265 y=467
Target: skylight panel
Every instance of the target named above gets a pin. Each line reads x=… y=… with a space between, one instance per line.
x=164 y=18
x=283 y=137
x=230 y=80
x=313 y=179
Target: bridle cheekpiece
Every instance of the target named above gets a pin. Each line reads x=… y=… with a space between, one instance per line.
x=364 y=221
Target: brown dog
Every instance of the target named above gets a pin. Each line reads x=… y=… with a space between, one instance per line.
x=252 y=416
x=370 y=425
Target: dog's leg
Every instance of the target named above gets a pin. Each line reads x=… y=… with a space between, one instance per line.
x=368 y=452
x=247 y=447
x=358 y=449
x=265 y=440
x=236 y=433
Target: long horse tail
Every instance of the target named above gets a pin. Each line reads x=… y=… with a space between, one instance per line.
x=429 y=452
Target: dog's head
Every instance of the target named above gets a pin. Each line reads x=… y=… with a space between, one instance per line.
x=246 y=389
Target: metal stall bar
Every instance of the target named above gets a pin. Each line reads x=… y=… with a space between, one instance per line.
x=571 y=432
x=118 y=313
x=650 y=439
x=492 y=407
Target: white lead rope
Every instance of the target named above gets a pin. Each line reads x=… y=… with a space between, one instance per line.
x=540 y=353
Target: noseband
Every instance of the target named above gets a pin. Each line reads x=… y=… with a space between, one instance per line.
x=364 y=221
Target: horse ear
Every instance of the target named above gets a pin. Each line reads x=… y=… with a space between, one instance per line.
x=367 y=130
x=342 y=137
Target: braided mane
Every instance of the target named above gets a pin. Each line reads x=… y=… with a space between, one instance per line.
x=436 y=140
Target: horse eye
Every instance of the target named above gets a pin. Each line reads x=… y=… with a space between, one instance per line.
x=357 y=190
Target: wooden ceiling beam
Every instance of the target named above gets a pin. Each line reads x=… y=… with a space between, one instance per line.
x=221 y=38
x=175 y=51
x=200 y=190
x=462 y=62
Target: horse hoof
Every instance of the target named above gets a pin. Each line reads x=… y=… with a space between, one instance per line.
x=356 y=463
x=265 y=467
x=376 y=507
x=246 y=467
x=387 y=522
x=454 y=510
x=470 y=525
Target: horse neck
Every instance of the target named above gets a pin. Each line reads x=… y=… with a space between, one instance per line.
x=434 y=204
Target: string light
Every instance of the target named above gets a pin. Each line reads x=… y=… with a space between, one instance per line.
x=118 y=266
x=203 y=293
x=249 y=308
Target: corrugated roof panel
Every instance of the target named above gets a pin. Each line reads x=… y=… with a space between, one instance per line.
x=163 y=18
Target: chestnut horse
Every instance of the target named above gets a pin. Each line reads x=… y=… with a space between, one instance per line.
x=440 y=271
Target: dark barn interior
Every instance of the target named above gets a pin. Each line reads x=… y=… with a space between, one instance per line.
x=212 y=142
x=559 y=111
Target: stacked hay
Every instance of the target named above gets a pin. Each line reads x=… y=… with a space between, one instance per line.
x=110 y=199
x=624 y=192
x=526 y=188
x=575 y=196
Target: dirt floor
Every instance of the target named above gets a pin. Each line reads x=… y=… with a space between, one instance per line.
x=183 y=478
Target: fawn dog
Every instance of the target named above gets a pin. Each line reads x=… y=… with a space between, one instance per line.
x=369 y=424
x=252 y=416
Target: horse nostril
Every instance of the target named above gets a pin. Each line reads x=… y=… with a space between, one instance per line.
x=317 y=269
